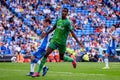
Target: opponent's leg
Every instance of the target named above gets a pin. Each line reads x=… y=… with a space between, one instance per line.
x=37 y=55
x=32 y=66
x=106 y=58
x=67 y=58
x=43 y=61
x=106 y=63
x=62 y=50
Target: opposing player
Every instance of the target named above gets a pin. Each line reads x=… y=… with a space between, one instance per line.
x=111 y=48
x=37 y=55
x=100 y=59
x=62 y=28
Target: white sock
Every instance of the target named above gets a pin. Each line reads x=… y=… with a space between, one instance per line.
x=32 y=67
x=106 y=62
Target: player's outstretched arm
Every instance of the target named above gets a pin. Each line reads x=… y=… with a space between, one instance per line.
x=51 y=30
x=75 y=37
x=45 y=34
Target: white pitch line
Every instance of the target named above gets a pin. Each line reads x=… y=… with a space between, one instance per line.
x=77 y=73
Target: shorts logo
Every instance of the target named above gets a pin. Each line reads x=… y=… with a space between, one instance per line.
x=113 y=51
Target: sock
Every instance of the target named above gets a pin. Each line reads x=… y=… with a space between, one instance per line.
x=32 y=66
x=67 y=58
x=42 y=64
x=106 y=62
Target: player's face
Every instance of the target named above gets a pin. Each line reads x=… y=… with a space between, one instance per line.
x=112 y=28
x=64 y=13
x=45 y=24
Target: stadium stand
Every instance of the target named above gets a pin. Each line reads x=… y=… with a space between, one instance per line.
x=92 y=18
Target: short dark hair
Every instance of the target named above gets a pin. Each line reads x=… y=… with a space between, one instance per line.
x=66 y=9
x=48 y=20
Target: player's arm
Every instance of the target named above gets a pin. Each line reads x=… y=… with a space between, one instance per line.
x=46 y=33
x=75 y=37
x=51 y=30
x=113 y=36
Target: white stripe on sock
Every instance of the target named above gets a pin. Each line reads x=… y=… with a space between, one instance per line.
x=32 y=66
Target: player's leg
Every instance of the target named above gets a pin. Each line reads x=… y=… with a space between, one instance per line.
x=62 y=50
x=106 y=61
x=115 y=54
x=100 y=59
x=45 y=68
x=106 y=58
x=67 y=58
x=43 y=61
x=32 y=66
x=50 y=48
x=35 y=58
x=61 y=57
x=41 y=53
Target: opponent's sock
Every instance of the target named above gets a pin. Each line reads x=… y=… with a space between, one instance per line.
x=42 y=64
x=32 y=66
x=106 y=62
x=67 y=58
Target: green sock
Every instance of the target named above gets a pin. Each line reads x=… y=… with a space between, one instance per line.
x=67 y=58
x=42 y=64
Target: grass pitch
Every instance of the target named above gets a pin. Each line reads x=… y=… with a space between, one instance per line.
x=61 y=71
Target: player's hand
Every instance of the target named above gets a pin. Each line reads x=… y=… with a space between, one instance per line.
x=40 y=37
x=109 y=34
x=43 y=34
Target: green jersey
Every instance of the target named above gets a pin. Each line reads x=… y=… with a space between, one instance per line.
x=63 y=27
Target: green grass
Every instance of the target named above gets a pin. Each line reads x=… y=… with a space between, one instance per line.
x=62 y=71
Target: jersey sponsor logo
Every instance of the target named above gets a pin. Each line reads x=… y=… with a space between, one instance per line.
x=62 y=28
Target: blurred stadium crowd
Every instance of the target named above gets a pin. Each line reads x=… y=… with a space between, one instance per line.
x=21 y=24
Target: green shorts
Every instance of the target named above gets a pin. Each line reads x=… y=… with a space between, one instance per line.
x=54 y=45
